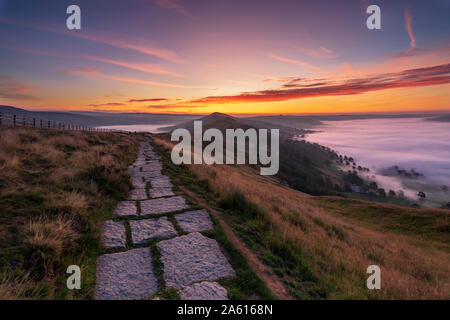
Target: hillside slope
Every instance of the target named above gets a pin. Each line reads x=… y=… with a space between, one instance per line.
x=321 y=247
x=55 y=188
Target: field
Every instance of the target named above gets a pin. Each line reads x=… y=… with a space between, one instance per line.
x=55 y=188
x=320 y=247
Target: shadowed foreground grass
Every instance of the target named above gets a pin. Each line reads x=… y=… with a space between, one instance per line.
x=55 y=189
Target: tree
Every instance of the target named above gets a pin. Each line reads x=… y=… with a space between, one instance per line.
x=381 y=192
x=391 y=193
x=421 y=195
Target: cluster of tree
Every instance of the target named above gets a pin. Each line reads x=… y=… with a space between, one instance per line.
x=303 y=166
x=349 y=161
x=408 y=174
x=354 y=183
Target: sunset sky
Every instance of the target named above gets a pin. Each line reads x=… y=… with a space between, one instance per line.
x=237 y=57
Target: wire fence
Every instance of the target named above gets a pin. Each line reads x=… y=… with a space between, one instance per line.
x=7 y=119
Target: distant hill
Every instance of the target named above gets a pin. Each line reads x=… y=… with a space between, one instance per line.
x=95 y=119
x=223 y=121
x=442 y=118
x=308 y=122
x=303 y=122
x=303 y=166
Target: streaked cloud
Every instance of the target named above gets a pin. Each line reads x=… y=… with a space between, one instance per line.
x=14 y=89
x=174 y=5
x=148 y=100
x=148 y=68
x=419 y=77
x=129 y=44
x=409 y=29
x=327 y=51
x=82 y=71
x=109 y=104
x=296 y=62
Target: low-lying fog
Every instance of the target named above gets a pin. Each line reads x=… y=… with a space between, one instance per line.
x=379 y=144
x=153 y=128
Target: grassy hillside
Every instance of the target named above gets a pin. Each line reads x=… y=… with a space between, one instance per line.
x=304 y=166
x=320 y=247
x=55 y=188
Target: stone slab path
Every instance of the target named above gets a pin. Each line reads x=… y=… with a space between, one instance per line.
x=142 y=231
x=191 y=263
x=163 y=205
x=113 y=234
x=204 y=291
x=192 y=221
x=125 y=275
x=192 y=258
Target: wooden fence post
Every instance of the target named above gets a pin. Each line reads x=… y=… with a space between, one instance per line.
x=0 y=118
x=24 y=123
x=14 y=120
x=34 y=122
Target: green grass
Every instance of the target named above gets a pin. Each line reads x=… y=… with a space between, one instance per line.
x=429 y=224
x=94 y=167
x=245 y=284
x=250 y=223
x=288 y=261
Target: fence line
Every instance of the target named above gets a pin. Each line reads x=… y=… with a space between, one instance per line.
x=24 y=121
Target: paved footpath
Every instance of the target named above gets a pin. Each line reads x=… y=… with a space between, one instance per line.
x=191 y=262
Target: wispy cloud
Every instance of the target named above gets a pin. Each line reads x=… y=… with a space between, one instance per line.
x=327 y=51
x=130 y=44
x=13 y=89
x=296 y=62
x=147 y=68
x=174 y=5
x=109 y=104
x=321 y=52
x=82 y=71
x=427 y=76
x=148 y=100
x=348 y=68
x=409 y=29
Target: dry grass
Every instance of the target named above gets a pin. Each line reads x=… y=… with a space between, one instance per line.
x=336 y=249
x=13 y=288
x=55 y=188
x=48 y=238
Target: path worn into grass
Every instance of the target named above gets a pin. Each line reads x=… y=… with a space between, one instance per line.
x=272 y=281
x=191 y=262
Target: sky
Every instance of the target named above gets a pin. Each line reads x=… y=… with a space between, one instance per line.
x=231 y=56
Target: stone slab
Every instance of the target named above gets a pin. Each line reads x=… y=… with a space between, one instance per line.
x=204 y=291
x=142 y=231
x=192 y=221
x=162 y=182
x=126 y=209
x=163 y=205
x=138 y=194
x=152 y=167
x=160 y=192
x=125 y=275
x=192 y=258
x=113 y=234
x=152 y=175
x=138 y=183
